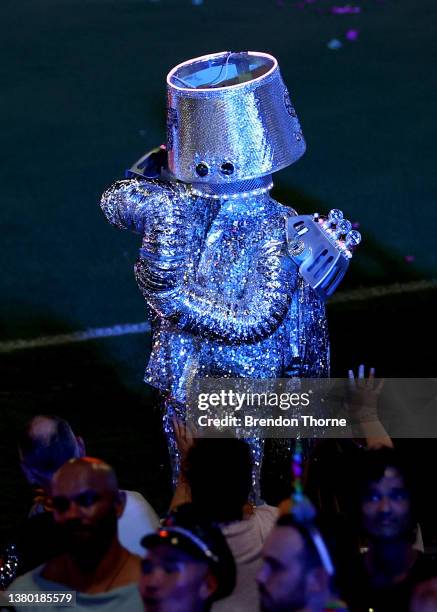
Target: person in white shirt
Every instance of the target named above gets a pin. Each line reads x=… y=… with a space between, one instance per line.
x=217 y=477
x=86 y=504
x=48 y=442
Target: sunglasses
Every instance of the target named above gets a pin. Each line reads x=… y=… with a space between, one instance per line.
x=84 y=500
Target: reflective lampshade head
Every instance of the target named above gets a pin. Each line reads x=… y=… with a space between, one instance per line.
x=230 y=119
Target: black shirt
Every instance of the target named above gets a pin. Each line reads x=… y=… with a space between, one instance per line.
x=362 y=595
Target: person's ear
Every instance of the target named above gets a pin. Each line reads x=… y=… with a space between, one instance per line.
x=209 y=586
x=120 y=503
x=81 y=447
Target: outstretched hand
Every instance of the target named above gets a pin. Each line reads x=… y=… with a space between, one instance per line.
x=363 y=395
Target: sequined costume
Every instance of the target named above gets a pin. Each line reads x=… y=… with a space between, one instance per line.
x=227 y=300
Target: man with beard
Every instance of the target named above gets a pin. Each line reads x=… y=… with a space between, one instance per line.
x=297 y=571
x=384 y=577
x=86 y=505
x=45 y=444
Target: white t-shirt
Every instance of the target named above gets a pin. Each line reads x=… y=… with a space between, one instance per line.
x=137 y=520
x=123 y=598
x=245 y=539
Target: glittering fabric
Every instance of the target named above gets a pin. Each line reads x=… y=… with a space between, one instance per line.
x=173 y=409
x=9 y=563
x=230 y=108
x=226 y=298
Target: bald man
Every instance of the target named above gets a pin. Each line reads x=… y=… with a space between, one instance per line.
x=86 y=504
x=45 y=444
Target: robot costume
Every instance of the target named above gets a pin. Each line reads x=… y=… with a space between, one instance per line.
x=226 y=297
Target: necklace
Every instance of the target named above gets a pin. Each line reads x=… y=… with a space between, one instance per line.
x=118 y=570
x=123 y=560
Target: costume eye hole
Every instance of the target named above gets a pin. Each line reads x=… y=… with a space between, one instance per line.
x=202 y=169
x=227 y=168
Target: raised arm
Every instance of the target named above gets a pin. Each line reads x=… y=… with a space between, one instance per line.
x=129 y=204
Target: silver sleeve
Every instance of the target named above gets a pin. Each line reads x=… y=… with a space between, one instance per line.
x=192 y=308
x=129 y=204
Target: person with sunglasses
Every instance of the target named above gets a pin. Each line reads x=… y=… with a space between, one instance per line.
x=86 y=504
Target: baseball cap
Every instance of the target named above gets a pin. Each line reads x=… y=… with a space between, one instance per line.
x=202 y=540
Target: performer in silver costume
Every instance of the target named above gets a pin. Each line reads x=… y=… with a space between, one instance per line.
x=226 y=298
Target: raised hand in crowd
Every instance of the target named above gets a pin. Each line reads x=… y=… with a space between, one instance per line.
x=362 y=404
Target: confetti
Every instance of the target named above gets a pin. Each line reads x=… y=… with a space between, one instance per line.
x=409 y=258
x=345 y=10
x=334 y=44
x=356 y=224
x=352 y=35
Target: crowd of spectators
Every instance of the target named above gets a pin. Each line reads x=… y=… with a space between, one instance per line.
x=214 y=550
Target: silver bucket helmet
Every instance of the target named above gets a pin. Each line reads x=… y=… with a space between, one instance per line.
x=230 y=119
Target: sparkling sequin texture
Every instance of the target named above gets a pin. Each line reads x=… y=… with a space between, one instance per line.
x=230 y=110
x=9 y=563
x=227 y=300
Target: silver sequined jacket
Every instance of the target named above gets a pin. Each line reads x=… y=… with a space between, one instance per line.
x=226 y=298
